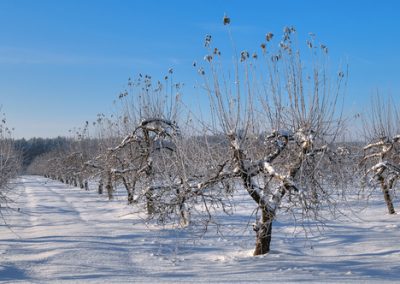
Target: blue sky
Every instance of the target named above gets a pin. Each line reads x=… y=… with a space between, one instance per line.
x=62 y=62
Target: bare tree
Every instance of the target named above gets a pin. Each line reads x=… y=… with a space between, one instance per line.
x=100 y=164
x=299 y=119
x=148 y=157
x=382 y=154
x=10 y=162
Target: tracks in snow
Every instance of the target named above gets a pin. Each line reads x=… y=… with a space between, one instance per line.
x=64 y=235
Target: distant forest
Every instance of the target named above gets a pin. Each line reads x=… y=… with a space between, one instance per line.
x=35 y=147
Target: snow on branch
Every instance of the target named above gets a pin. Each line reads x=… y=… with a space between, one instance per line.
x=159 y=125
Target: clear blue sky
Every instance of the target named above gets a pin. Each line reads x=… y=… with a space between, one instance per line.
x=62 y=62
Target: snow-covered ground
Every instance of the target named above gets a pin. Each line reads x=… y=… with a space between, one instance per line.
x=65 y=234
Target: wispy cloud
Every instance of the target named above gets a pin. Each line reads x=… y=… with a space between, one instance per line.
x=359 y=59
x=175 y=61
x=21 y=56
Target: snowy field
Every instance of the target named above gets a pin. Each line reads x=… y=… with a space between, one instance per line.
x=65 y=234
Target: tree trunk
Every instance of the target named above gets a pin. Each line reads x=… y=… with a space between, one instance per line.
x=386 y=195
x=86 y=185
x=81 y=185
x=130 y=197
x=100 y=189
x=109 y=186
x=264 y=233
x=150 y=201
x=128 y=190
x=184 y=215
x=183 y=211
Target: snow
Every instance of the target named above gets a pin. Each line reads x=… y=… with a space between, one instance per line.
x=63 y=234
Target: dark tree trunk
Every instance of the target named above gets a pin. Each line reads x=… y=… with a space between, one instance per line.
x=130 y=197
x=386 y=195
x=264 y=233
x=100 y=189
x=150 y=201
x=86 y=185
x=128 y=190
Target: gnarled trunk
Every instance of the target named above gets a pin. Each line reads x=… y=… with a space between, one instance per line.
x=129 y=189
x=386 y=195
x=264 y=233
